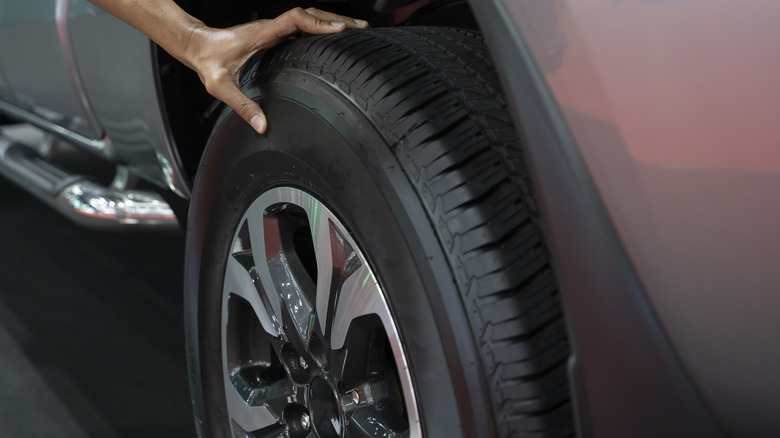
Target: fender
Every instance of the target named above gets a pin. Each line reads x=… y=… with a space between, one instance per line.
x=625 y=377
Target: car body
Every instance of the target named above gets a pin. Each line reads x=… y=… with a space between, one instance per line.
x=650 y=131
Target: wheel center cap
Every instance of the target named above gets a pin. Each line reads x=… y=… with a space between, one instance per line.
x=324 y=408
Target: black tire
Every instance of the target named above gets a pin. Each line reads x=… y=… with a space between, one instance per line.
x=403 y=134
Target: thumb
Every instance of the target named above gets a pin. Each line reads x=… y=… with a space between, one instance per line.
x=227 y=91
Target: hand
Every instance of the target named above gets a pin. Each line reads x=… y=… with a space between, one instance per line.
x=219 y=55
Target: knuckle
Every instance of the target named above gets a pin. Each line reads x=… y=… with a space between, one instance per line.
x=245 y=108
x=292 y=19
x=296 y=12
x=214 y=82
x=211 y=87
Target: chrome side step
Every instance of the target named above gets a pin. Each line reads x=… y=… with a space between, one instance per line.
x=80 y=199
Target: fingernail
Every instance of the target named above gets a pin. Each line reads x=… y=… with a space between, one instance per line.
x=336 y=23
x=258 y=122
x=361 y=22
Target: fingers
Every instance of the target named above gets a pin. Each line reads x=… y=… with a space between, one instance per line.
x=351 y=23
x=225 y=89
x=314 y=21
x=221 y=57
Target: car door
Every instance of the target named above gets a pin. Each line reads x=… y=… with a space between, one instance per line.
x=74 y=66
x=39 y=74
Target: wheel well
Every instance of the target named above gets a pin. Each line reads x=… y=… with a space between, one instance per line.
x=191 y=112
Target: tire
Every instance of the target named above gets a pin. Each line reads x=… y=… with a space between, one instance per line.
x=401 y=139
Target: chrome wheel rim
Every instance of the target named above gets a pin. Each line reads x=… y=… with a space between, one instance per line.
x=309 y=346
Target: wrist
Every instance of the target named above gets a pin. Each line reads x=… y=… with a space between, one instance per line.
x=191 y=42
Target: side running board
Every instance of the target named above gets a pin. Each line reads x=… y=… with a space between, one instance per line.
x=80 y=199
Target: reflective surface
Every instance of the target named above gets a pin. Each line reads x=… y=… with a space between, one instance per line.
x=91 y=204
x=35 y=67
x=673 y=103
x=308 y=340
x=84 y=75
x=118 y=72
x=82 y=200
x=63 y=30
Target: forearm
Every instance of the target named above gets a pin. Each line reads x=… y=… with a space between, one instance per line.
x=163 y=21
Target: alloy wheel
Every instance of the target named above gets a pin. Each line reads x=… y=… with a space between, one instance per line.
x=309 y=345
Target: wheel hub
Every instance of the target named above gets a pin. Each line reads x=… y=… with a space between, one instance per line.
x=322 y=410
x=326 y=412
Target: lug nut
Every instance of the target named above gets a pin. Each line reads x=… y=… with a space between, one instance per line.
x=303 y=363
x=305 y=421
x=298 y=421
x=350 y=401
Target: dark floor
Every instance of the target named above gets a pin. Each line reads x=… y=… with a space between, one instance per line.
x=91 y=334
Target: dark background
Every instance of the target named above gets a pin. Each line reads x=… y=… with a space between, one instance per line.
x=91 y=328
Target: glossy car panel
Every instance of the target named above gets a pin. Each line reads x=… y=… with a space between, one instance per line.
x=671 y=105
x=88 y=72
x=5 y=88
x=625 y=378
x=29 y=37
x=119 y=77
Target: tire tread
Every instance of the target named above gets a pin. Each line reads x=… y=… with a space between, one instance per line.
x=434 y=96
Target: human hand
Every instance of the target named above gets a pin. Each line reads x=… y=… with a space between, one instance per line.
x=219 y=55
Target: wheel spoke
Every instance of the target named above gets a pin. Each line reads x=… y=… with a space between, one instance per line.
x=320 y=225
x=292 y=297
x=255 y=221
x=360 y=295
x=275 y=431
x=242 y=397
x=337 y=260
x=239 y=281
x=368 y=422
x=281 y=279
